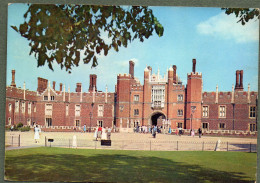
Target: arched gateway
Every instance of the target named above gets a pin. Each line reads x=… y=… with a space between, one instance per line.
x=157 y=118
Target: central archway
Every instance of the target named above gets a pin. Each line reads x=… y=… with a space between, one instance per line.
x=157 y=119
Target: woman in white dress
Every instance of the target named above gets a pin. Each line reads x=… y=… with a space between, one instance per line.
x=96 y=132
x=37 y=134
x=104 y=134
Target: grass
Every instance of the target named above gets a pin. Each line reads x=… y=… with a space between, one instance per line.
x=82 y=165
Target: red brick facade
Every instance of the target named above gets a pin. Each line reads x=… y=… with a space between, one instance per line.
x=159 y=101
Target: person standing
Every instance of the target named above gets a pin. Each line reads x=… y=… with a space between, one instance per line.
x=109 y=134
x=192 y=133
x=200 y=132
x=96 y=133
x=84 y=128
x=37 y=134
x=99 y=132
x=104 y=134
x=154 y=130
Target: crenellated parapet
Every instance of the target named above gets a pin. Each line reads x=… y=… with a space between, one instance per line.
x=226 y=97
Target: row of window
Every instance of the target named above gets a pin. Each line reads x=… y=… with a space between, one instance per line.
x=179 y=112
x=222 y=126
x=48 y=122
x=222 y=111
x=16 y=109
x=158 y=94
x=48 y=110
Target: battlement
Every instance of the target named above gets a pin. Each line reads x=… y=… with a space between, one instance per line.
x=197 y=74
x=124 y=76
x=225 y=97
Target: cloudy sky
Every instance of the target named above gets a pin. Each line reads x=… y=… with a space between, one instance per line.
x=220 y=45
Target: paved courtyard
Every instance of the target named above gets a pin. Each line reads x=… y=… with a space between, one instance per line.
x=132 y=141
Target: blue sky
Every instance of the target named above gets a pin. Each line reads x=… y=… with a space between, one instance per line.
x=220 y=45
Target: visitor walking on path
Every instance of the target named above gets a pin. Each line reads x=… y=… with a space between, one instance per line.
x=37 y=132
x=154 y=131
x=200 y=132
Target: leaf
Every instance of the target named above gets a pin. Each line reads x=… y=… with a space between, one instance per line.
x=65 y=30
x=15 y=28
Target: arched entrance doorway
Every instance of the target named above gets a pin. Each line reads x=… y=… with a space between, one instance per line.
x=157 y=119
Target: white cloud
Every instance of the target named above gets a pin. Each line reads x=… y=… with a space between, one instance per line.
x=125 y=63
x=226 y=27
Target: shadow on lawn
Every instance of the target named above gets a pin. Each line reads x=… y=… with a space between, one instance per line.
x=110 y=168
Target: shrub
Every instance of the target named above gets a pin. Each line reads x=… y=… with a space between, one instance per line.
x=19 y=125
x=25 y=128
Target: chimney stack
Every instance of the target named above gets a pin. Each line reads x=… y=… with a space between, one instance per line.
x=42 y=84
x=13 y=79
x=53 y=85
x=241 y=80
x=60 y=86
x=194 y=66
x=132 y=68
x=92 y=82
x=237 y=79
x=174 y=74
x=78 y=88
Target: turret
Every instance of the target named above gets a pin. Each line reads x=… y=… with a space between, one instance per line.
x=193 y=98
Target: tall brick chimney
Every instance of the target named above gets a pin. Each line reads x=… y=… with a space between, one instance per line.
x=60 y=86
x=132 y=68
x=237 y=79
x=53 y=85
x=194 y=65
x=92 y=82
x=42 y=84
x=78 y=88
x=174 y=74
x=241 y=80
x=13 y=79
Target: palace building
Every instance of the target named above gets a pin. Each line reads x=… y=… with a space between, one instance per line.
x=161 y=100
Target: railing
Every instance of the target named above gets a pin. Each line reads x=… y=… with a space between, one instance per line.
x=13 y=140
x=152 y=145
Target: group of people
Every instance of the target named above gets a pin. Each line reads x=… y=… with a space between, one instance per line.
x=102 y=133
x=145 y=129
x=179 y=132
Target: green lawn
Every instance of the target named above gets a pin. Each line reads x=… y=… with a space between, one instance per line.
x=58 y=164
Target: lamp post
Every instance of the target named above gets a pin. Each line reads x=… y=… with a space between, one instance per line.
x=90 y=115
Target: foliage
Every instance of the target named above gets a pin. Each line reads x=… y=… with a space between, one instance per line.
x=19 y=125
x=59 y=32
x=94 y=165
x=244 y=14
x=25 y=128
